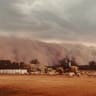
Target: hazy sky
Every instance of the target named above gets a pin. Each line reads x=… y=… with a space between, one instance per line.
x=54 y=20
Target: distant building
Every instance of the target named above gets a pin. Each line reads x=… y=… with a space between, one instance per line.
x=13 y=71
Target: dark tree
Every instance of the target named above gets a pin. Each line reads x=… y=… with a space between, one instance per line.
x=74 y=62
x=5 y=64
x=92 y=63
x=35 y=61
x=22 y=65
x=65 y=62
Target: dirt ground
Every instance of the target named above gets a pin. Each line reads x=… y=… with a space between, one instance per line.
x=47 y=86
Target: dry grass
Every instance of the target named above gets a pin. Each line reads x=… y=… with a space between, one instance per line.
x=47 y=86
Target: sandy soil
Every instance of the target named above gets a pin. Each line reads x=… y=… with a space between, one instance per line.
x=47 y=86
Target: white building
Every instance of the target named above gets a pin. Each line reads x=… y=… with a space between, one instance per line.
x=13 y=71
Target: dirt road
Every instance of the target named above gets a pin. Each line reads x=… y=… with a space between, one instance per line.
x=47 y=86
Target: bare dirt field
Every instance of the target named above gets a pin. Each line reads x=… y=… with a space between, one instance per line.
x=47 y=86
